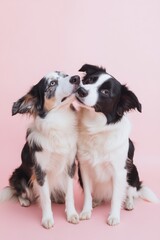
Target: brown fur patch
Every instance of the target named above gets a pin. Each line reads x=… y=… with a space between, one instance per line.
x=49 y=103
x=32 y=179
x=29 y=100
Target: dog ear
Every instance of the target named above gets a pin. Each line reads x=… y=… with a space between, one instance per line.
x=128 y=101
x=32 y=102
x=24 y=105
x=90 y=69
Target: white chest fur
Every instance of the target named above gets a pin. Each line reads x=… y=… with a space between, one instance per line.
x=102 y=147
x=57 y=135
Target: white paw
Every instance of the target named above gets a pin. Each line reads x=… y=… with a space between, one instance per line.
x=85 y=215
x=24 y=202
x=129 y=205
x=73 y=218
x=48 y=222
x=113 y=220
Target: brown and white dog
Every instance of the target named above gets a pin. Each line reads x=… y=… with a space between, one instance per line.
x=48 y=156
x=105 y=152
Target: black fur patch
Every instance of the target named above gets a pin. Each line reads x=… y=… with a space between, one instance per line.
x=92 y=73
x=38 y=91
x=35 y=148
x=107 y=103
x=20 y=180
x=58 y=197
x=80 y=176
x=40 y=175
x=71 y=170
x=91 y=69
x=27 y=160
x=132 y=173
x=131 y=150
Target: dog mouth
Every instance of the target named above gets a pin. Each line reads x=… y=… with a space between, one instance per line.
x=63 y=99
x=73 y=92
x=68 y=99
x=79 y=100
x=76 y=86
x=82 y=104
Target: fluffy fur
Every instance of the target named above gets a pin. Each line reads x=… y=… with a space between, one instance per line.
x=105 y=152
x=48 y=156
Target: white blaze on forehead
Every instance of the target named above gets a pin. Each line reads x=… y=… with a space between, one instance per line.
x=101 y=79
x=92 y=97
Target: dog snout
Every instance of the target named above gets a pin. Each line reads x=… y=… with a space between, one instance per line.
x=82 y=92
x=75 y=80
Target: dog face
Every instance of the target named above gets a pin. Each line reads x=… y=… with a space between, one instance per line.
x=50 y=92
x=105 y=94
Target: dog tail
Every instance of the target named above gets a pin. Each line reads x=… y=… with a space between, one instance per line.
x=6 y=194
x=148 y=195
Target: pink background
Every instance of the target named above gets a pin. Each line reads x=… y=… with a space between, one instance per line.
x=42 y=35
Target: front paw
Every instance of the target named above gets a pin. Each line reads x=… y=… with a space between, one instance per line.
x=129 y=205
x=113 y=220
x=24 y=202
x=47 y=222
x=85 y=215
x=73 y=218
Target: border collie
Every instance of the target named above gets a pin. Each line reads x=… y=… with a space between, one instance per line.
x=105 y=152
x=48 y=156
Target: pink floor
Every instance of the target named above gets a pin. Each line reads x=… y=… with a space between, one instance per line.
x=142 y=223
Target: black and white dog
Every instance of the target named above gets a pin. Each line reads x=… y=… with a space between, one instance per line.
x=105 y=152
x=48 y=156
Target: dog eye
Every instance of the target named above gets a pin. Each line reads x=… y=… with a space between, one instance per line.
x=105 y=92
x=53 y=83
x=90 y=80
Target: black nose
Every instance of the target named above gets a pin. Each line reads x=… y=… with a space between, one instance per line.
x=75 y=80
x=82 y=92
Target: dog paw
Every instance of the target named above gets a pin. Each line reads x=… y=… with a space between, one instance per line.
x=85 y=215
x=24 y=202
x=113 y=220
x=129 y=205
x=48 y=222
x=73 y=218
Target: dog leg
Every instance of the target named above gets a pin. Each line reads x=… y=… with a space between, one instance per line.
x=71 y=213
x=119 y=187
x=129 y=201
x=45 y=201
x=87 y=206
x=24 y=202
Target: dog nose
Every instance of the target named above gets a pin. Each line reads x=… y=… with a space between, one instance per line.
x=75 y=80
x=82 y=92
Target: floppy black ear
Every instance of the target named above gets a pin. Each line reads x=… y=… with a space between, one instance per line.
x=128 y=101
x=90 y=69
x=24 y=105
x=32 y=102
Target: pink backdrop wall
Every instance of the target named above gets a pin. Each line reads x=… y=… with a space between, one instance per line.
x=42 y=35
